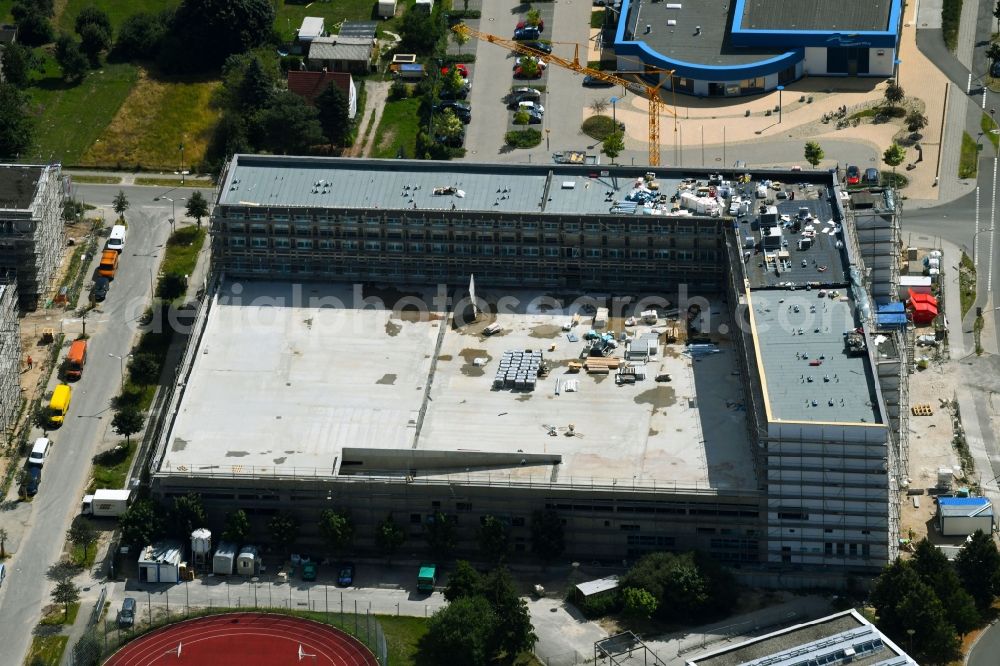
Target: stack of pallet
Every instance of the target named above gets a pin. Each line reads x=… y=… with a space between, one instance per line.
x=601 y=365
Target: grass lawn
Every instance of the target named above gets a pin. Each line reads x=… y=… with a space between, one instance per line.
x=398 y=129
x=117 y=10
x=967 y=283
x=47 y=650
x=70 y=118
x=98 y=180
x=987 y=124
x=173 y=182
x=58 y=615
x=109 y=470
x=402 y=634
x=87 y=561
x=598 y=127
x=157 y=116
x=182 y=250
x=290 y=14
x=968 y=162
x=597 y=18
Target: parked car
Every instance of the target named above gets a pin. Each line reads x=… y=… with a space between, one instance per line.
x=593 y=82
x=309 y=570
x=544 y=47
x=527 y=33
x=524 y=95
x=531 y=106
x=33 y=481
x=451 y=142
x=460 y=109
x=345 y=577
x=995 y=69
x=461 y=93
x=872 y=176
x=853 y=175
x=462 y=69
x=126 y=616
x=534 y=118
x=521 y=25
x=100 y=289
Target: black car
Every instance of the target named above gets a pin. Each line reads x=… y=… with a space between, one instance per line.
x=871 y=176
x=452 y=95
x=518 y=95
x=33 y=481
x=345 y=576
x=528 y=32
x=544 y=47
x=594 y=82
x=100 y=290
x=462 y=111
x=995 y=69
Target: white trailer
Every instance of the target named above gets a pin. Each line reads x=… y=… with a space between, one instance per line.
x=106 y=503
x=224 y=558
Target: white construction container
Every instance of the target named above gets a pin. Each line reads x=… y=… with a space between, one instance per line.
x=248 y=561
x=224 y=559
x=601 y=318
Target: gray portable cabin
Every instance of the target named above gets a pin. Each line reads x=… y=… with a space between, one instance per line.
x=224 y=559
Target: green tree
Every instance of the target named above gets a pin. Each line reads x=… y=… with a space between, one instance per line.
x=144 y=368
x=3 y=543
x=186 y=515
x=613 y=145
x=17 y=128
x=237 y=527
x=92 y=15
x=448 y=126
x=71 y=59
x=257 y=89
x=534 y=17
x=934 y=638
x=120 y=204
x=420 y=32
x=638 y=603
x=66 y=593
x=915 y=121
x=283 y=529
x=204 y=33
x=171 y=286
x=141 y=35
x=93 y=41
x=142 y=523
x=439 y=531
x=18 y=63
x=529 y=67
x=461 y=633
x=514 y=632
x=453 y=81
x=389 y=536
x=978 y=566
x=197 y=206
x=23 y=479
x=33 y=25
x=548 y=539
x=894 y=156
x=893 y=94
x=936 y=572
x=814 y=153
x=896 y=579
x=334 y=118
x=127 y=421
x=336 y=529
x=521 y=117
x=687 y=586
x=463 y=581
x=993 y=52
x=81 y=533
x=460 y=38
x=288 y=126
x=493 y=536
x=996 y=13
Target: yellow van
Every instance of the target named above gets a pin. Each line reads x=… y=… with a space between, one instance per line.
x=59 y=404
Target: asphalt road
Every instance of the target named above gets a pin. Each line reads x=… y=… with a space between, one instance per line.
x=986 y=649
x=66 y=472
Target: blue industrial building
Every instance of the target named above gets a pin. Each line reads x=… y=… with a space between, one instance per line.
x=745 y=47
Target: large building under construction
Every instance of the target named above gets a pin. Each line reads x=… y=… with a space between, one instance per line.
x=668 y=360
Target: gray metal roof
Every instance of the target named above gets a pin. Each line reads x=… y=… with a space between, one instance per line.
x=711 y=46
x=365 y=29
x=591 y=587
x=340 y=48
x=965 y=507
x=821 y=640
x=793 y=330
x=816 y=15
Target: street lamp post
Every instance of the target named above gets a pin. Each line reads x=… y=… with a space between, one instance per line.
x=779 y=89
x=173 y=210
x=121 y=363
x=547 y=145
x=614 y=114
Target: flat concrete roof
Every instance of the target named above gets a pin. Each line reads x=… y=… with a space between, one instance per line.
x=711 y=45
x=807 y=371
x=285 y=389
x=816 y=15
x=822 y=640
x=18 y=185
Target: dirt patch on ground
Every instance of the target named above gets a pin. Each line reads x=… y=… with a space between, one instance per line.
x=387 y=379
x=445 y=357
x=469 y=355
x=546 y=331
x=392 y=329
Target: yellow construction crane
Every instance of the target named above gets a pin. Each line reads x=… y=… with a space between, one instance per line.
x=652 y=93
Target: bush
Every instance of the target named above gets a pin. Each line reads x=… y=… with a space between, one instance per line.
x=598 y=127
x=601 y=605
x=528 y=138
x=454 y=58
x=141 y=35
x=951 y=14
x=398 y=90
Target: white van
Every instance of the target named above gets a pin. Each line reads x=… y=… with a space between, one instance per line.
x=116 y=241
x=3 y=572
x=39 y=451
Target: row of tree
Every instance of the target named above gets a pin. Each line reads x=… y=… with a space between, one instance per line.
x=927 y=605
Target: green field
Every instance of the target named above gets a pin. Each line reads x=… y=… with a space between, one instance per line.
x=117 y=10
x=47 y=650
x=398 y=129
x=111 y=467
x=71 y=118
x=290 y=14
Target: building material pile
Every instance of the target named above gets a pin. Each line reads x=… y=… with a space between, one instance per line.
x=518 y=370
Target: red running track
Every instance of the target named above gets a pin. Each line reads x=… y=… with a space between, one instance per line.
x=245 y=639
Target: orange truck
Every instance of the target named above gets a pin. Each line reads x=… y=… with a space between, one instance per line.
x=76 y=358
x=109 y=264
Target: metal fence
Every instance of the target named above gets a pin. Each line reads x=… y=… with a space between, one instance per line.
x=104 y=637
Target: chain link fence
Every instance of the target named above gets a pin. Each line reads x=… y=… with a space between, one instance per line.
x=104 y=636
